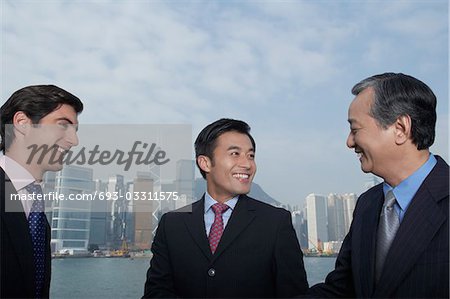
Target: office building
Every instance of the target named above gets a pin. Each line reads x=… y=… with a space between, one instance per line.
x=143 y=211
x=70 y=223
x=336 y=221
x=349 y=206
x=317 y=221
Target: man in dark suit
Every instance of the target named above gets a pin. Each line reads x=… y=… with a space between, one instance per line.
x=226 y=244
x=398 y=243
x=44 y=116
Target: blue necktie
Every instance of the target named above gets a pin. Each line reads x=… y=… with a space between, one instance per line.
x=37 y=223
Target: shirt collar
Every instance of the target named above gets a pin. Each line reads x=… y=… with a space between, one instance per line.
x=406 y=190
x=209 y=201
x=19 y=176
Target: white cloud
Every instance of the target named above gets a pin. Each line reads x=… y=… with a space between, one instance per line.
x=285 y=67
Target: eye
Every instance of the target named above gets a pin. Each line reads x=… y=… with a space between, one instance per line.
x=65 y=125
x=234 y=153
x=252 y=156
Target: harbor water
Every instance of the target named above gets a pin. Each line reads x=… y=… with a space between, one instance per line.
x=124 y=277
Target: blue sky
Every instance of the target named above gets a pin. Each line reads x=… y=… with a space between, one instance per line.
x=285 y=67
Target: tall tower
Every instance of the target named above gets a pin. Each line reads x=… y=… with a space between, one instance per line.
x=336 y=222
x=317 y=220
x=143 y=211
x=100 y=217
x=184 y=183
x=117 y=212
x=71 y=218
x=349 y=207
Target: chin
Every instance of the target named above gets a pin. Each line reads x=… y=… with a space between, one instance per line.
x=55 y=167
x=365 y=170
x=243 y=191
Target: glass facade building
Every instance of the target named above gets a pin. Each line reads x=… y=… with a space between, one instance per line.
x=70 y=221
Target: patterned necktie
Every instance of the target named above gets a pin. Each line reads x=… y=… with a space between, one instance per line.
x=37 y=223
x=387 y=228
x=217 y=227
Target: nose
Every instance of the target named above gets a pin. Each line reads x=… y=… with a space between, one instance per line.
x=246 y=162
x=350 y=140
x=72 y=137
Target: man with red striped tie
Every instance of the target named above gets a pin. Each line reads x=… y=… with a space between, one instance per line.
x=226 y=244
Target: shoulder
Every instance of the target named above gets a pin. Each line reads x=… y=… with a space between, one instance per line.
x=369 y=198
x=264 y=208
x=177 y=213
x=439 y=175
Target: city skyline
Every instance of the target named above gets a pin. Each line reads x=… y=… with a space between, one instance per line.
x=285 y=68
x=79 y=226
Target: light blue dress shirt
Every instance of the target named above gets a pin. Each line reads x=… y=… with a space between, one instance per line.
x=406 y=190
x=209 y=213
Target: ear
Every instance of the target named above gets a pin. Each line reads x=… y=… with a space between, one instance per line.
x=402 y=128
x=21 y=122
x=204 y=163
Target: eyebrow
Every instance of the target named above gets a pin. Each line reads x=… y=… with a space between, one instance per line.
x=235 y=147
x=66 y=119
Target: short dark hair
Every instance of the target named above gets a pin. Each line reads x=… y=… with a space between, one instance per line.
x=398 y=95
x=36 y=102
x=206 y=141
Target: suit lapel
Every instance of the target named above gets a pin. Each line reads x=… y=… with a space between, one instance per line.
x=195 y=223
x=241 y=217
x=368 y=242
x=421 y=222
x=17 y=228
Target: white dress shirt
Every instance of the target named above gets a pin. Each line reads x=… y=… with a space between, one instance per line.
x=20 y=177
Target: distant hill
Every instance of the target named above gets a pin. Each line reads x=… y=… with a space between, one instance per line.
x=256 y=192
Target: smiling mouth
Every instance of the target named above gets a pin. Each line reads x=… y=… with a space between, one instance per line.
x=62 y=150
x=244 y=176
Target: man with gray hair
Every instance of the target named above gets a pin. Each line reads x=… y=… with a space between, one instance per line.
x=398 y=243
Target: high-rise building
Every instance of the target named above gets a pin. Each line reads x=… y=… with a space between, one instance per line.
x=349 y=207
x=184 y=182
x=130 y=225
x=300 y=227
x=157 y=205
x=100 y=218
x=71 y=217
x=117 y=211
x=317 y=220
x=143 y=211
x=336 y=221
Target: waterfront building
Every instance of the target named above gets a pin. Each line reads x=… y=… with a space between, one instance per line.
x=349 y=206
x=301 y=229
x=143 y=211
x=336 y=221
x=70 y=221
x=317 y=221
x=117 y=210
x=184 y=183
x=100 y=218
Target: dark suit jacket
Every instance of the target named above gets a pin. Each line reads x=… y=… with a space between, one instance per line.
x=17 y=270
x=417 y=264
x=258 y=255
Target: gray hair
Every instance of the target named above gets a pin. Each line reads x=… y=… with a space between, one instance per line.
x=398 y=95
